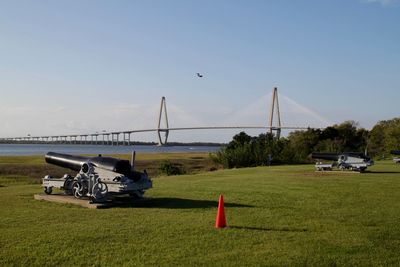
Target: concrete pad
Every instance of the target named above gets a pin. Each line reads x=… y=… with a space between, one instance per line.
x=61 y=198
x=339 y=171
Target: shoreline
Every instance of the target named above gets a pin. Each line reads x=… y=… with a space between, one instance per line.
x=41 y=149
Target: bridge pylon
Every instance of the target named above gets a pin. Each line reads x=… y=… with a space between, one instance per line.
x=275 y=107
x=163 y=109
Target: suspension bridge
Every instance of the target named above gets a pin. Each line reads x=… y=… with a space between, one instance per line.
x=162 y=130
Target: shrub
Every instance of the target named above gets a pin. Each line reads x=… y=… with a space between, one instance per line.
x=169 y=168
x=246 y=151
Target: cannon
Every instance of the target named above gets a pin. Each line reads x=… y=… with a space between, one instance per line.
x=98 y=178
x=355 y=161
x=395 y=159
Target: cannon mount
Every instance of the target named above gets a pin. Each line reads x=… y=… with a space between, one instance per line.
x=354 y=161
x=98 y=178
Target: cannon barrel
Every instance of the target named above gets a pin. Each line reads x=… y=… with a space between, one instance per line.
x=395 y=152
x=324 y=155
x=75 y=162
x=335 y=156
x=66 y=161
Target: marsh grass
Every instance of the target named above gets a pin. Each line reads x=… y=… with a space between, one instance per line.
x=277 y=216
x=34 y=168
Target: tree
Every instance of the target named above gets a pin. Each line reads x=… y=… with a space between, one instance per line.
x=248 y=151
x=302 y=143
x=384 y=136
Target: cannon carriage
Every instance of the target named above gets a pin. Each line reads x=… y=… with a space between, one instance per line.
x=98 y=178
x=354 y=161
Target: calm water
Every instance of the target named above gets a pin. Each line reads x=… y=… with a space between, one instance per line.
x=29 y=149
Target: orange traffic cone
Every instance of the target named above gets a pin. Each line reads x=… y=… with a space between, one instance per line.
x=221 y=220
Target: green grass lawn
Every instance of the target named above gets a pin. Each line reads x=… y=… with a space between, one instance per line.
x=281 y=215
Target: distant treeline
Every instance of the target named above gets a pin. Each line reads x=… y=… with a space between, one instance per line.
x=265 y=149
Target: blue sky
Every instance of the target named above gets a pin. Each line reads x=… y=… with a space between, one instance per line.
x=85 y=66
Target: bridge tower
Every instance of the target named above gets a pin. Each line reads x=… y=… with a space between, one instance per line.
x=275 y=107
x=165 y=130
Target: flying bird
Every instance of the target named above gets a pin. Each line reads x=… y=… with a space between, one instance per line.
x=199 y=75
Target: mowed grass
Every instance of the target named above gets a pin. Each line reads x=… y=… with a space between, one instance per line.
x=280 y=215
